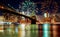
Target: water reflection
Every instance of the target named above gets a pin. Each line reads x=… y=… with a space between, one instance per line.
x=46 y=30
x=30 y=33
x=21 y=34
x=55 y=30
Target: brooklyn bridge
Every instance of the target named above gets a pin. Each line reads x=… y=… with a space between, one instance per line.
x=15 y=24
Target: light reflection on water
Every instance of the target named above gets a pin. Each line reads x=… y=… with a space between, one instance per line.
x=27 y=33
x=20 y=34
x=46 y=29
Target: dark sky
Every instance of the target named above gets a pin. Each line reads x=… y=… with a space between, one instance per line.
x=15 y=3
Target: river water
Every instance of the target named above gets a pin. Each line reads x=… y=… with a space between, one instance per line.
x=53 y=31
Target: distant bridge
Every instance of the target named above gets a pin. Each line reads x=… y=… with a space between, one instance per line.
x=12 y=11
x=6 y=9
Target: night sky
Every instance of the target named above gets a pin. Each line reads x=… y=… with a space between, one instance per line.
x=15 y=3
x=52 y=7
